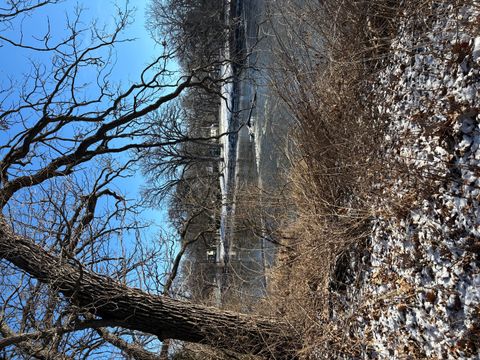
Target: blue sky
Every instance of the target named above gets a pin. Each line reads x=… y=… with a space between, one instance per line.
x=131 y=57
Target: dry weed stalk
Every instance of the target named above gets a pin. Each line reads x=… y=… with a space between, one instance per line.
x=324 y=78
x=330 y=53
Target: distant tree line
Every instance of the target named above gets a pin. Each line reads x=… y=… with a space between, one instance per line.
x=187 y=174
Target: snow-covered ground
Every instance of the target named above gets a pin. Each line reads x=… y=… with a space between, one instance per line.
x=228 y=151
x=251 y=151
x=420 y=291
x=227 y=125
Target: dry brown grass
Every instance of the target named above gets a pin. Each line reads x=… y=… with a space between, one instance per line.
x=338 y=159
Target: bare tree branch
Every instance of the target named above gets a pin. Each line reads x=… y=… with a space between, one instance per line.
x=17 y=338
x=28 y=347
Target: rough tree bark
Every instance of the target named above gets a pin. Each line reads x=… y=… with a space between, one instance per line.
x=137 y=310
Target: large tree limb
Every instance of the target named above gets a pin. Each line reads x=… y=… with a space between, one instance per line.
x=135 y=309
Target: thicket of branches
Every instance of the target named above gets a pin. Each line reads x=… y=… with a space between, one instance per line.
x=190 y=172
x=196 y=29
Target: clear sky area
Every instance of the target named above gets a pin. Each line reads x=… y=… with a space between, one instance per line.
x=129 y=57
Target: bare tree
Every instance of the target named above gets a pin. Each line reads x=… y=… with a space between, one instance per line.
x=195 y=27
x=73 y=258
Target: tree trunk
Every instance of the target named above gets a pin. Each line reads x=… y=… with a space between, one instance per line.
x=137 y=310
